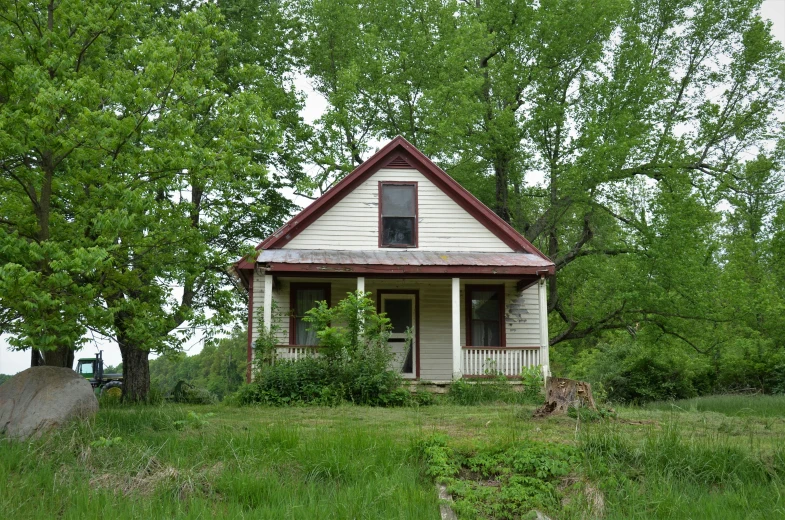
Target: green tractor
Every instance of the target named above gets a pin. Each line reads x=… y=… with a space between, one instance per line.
x=92 y=369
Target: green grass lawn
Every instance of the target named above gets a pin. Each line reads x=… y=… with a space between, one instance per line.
x=354 y=462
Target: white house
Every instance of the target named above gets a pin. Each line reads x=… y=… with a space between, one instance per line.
x=434 y=258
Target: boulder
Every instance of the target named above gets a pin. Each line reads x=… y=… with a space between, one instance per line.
x=41 y=398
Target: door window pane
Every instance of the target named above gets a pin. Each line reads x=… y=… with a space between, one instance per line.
x=400 y=314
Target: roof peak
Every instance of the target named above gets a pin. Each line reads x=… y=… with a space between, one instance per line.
x=400 y=153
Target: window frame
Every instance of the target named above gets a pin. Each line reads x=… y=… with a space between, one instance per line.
x=416 y=234
x=468 y=289
x=293 y=288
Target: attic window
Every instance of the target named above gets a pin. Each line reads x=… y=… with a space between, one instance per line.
x=397 y=214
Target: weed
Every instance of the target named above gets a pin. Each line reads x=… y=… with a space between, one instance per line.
x=193 y=420
x=105 y=442
x=499 y=483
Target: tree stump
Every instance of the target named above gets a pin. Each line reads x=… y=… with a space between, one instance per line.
x=561 y=394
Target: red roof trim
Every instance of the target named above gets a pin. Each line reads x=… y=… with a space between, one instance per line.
x=281 y=268
x=397 y=150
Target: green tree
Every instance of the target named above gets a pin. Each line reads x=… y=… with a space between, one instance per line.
x=133 y=138
x=603 y=131
x=220 y=367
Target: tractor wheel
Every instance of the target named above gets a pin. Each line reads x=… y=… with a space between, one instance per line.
x=113 y=390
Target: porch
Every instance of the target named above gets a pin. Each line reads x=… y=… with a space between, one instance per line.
x=502 y=342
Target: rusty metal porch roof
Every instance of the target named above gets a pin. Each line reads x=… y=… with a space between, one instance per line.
x=401 y=258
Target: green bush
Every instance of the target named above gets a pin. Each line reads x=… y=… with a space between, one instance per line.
x=628 y=371
x=187 y=393
x=353 y=363
x=496 y=390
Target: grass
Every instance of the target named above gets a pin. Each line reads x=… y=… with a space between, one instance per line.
x=733 y=405
x=357 y=462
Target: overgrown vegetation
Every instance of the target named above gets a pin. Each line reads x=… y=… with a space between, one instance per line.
x=218 y=369
x=368 y=462
x=500 y=482
x=733 y=405
x=673 y=473
x=354 y=362
x=495 y=388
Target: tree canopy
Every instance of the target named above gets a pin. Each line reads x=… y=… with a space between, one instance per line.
x=638 y=143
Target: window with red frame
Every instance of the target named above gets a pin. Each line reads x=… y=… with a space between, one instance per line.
x=485 y=316
x=397 y=214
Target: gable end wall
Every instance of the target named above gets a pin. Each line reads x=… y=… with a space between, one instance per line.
x=353 y=223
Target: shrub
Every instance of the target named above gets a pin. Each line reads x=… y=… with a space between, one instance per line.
x=636 y=372
x=353 y=363
x=496 y=390
x=187 y=393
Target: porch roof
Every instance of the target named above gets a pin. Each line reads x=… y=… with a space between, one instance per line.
x=403 y=262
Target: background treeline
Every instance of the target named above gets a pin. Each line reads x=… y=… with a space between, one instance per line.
x=219 y=368
x=638 y=143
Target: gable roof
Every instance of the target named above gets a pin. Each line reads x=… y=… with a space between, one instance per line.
x=398 y=153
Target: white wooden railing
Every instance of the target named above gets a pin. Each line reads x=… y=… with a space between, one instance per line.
x=294 y=352
x=490 y=361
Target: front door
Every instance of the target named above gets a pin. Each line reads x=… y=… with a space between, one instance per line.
x=400 y=309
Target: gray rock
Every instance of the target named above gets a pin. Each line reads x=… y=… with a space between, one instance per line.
x=42 y=398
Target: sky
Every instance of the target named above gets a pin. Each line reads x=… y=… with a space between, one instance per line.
x=12 y=362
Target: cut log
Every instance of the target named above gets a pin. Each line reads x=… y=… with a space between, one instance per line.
x=561 y=394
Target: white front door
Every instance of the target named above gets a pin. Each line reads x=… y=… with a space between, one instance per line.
x=400 y=309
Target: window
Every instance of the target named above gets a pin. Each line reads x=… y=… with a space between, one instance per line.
x=397 y=214
x=304 y=297
x=485 y=316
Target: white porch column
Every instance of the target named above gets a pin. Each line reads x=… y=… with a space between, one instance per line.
x=456 y=329
x=361 y=289
x=268 y=302
x=544 y=353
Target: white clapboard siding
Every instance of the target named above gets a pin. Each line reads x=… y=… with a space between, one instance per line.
x=522 y=316
x=353 y=223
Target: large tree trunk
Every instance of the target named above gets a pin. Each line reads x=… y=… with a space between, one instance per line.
x=562 y=394
x=136 y=365
x=136 y=373
x=62 y=357
x=36 y=360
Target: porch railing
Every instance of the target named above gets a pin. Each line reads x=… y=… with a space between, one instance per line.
x=490 y=361
x=295 y=352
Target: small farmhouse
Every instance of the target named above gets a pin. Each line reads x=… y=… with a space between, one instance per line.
x=433 y=257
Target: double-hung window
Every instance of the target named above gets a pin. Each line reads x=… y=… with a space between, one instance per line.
x=397 y=214
x=304 y=297
x=485 y=316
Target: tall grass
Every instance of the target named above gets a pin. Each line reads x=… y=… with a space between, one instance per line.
x=734 y=405
x=669 y=474
x=164 y=462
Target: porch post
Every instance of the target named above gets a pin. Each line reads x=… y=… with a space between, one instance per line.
x=361 y=289
x=456 y=328
x=268 y=302
x=544 y=346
